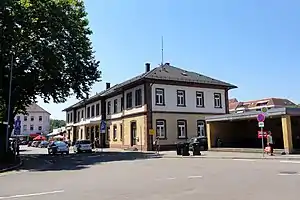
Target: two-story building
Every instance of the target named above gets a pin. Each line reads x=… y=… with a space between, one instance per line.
x=171 y=101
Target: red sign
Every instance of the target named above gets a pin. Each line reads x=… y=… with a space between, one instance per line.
x=259 y=134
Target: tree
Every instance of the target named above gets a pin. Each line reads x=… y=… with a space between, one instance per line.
x=56 y=123
x=47 y=44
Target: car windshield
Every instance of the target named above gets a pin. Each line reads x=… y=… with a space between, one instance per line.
x=84 y=142
x=60 y=143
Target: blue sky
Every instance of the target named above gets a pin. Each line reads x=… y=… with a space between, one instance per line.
x=253 y=44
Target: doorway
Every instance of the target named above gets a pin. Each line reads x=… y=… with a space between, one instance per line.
x=132 y=133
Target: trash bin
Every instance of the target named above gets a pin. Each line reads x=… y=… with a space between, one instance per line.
x=179 y=148
x=185 y=149
x=196 y=149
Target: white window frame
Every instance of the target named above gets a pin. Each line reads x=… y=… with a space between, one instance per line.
x=160 y=93
x=31 y=125
x=182 y=125
x=200 y=99
x=115 y=132
x=40 y=127
x=201 y=126
x=180 y=98
x=161 y=129
x=217 y=100
x=40 y=118
x=25 y=118
x=31 y=118
x=24 y=127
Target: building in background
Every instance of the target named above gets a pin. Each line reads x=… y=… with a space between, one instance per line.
x=236 y=106
x=37 y=121
x=168 y=101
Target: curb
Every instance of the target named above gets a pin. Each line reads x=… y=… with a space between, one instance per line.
x=12 y=167
x=230 y=158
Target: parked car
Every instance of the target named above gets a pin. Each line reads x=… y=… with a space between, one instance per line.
x=44 y=144
x=83 y=146
x=58 y=147
x=201 y=140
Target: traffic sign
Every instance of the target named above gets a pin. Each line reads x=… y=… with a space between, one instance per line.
x=264 y=109
x=261 y=124
x=102 y=126
x=17 y=127
x=151 y=132
x=260 y=117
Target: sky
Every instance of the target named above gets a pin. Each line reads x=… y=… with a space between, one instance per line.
x=253 y=44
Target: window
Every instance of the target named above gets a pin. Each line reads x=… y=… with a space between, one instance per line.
x=129 y=100
x=93 y=111
x=18 y=117
x=24 y=127
x=108 y=108
x=217 y=100
x=25 y=118
x=159 y=96
x=138 y=97
x=97 y=109
x=199 y=99
x=108 y=133
x=122 y=103
x=115 y=105
x=78 y=116
x=32 y=118
x=115 y=133
x=68 y=118
x=180 y=98
x=71 y=117
x=181 y=129
x=40 y=118
x=201 y=128
x=161 y=128
x=40 y=128
x=88 y=114
x=31 y=127
x=82 y=114
x=121 y=132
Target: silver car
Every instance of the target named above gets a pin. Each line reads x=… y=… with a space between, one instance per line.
x=58 y=147
x=83 y=146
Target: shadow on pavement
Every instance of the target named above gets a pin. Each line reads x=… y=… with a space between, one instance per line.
x=43 y=162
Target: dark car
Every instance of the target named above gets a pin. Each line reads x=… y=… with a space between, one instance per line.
x=58 y=147
x=201 y=140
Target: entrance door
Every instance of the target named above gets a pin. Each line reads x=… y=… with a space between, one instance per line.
x=133 y=133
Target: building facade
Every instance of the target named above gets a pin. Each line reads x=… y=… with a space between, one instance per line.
x=169 y=101
x=36 y=121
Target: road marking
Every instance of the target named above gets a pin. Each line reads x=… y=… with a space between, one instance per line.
x=288 y=174
x=190 y=177
x=290 y=161
x=171 y=178
x=243 y=159
x=32 y=194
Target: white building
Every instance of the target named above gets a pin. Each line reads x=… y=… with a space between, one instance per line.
x=36 y=121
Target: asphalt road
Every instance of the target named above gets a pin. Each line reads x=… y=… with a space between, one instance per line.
x=131 y=176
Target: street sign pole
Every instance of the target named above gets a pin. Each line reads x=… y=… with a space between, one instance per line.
x=102 y=131
x=261 y=119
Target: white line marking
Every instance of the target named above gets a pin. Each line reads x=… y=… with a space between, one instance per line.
x=171 y=178
x=288 y=174
x=190 y=177
x=242 y=159
x=290 y=161
x=30 y=195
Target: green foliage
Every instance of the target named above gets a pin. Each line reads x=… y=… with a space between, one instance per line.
x=56 y=123
x=48 y=42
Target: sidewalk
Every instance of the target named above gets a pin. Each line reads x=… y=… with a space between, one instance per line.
x=232 y=155
x=10 y=167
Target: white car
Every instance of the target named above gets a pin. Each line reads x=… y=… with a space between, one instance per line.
x=58 y=147
x=83 y=146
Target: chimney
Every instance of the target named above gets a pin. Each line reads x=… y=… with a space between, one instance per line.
x=147 y=67
x=167 y=64
x=107 y=85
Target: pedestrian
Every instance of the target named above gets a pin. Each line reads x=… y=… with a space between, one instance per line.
x=270 y=142
x=156 y=145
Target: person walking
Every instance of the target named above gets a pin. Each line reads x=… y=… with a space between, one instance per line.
x=270 y=142
x=156 y=145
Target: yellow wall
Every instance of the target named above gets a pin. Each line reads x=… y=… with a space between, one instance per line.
x=287 y=134
x=171 y=125
x=126 y=122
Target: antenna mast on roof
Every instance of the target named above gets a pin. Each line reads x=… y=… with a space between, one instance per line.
x=162 y=50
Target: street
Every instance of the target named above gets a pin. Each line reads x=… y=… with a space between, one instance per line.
x=132 y=176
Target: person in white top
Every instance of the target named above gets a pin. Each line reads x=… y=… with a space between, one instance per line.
x=270 y=142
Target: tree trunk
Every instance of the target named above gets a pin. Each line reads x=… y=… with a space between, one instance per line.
x=5 y=156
